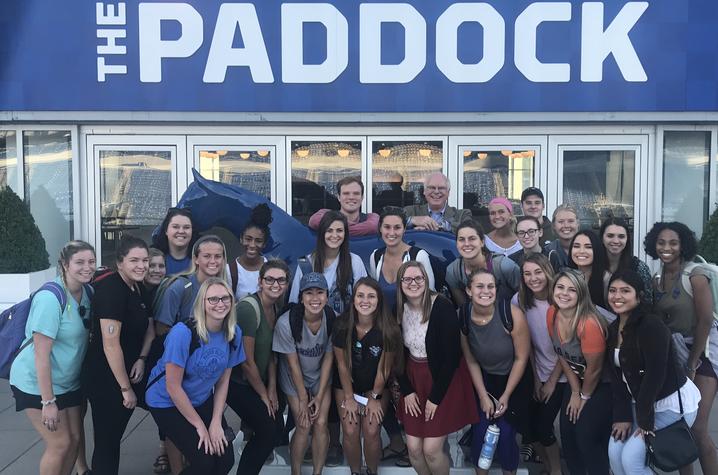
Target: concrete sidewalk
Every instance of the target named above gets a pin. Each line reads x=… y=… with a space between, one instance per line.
x=21 y=447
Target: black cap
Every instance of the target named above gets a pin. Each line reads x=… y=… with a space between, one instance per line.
x=531 y=191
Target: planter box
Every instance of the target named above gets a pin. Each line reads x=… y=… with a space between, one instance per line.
x=17 y=287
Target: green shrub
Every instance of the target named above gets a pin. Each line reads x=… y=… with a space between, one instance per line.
x=708 y=246
x=22 y=247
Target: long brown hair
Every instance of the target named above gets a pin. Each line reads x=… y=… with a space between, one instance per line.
x=385 y=323
x=526 y=295
x=344 y=266
x=401 y=298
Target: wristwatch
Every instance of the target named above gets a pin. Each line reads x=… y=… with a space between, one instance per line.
x=375 y=396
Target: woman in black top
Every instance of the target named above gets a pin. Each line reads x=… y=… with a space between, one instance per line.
x=645 y=376
x=119 y=344
x=365 y=342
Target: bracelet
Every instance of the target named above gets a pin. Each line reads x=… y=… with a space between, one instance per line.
x=375 y=396
x=124 y=390
x=48 y=402
x=143 y=358
x=585 y=397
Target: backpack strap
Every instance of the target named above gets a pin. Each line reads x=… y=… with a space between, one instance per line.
x=59 y=293
x=234 y=275
x=507 y=318
x=464 y=316
x=330 y=316
x=413 y=252
x=254 y=302
x=377 y=257
x=686 y=277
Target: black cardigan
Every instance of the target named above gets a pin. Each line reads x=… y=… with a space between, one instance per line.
x=649 y=364
x=443 y=350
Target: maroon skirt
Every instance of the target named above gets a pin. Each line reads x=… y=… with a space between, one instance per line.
x=456 y=410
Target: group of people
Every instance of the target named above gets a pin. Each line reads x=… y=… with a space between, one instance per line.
x=535 y=319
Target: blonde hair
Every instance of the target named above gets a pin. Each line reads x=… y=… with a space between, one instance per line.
x=585 y=309
x=200 y=315
x=401 y=299
x=68 y=250
x=564 y=207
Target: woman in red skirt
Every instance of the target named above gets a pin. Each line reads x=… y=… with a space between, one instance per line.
x=438 y=397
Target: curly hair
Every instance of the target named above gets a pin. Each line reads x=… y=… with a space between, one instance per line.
x=260 y=218
x=689 y=243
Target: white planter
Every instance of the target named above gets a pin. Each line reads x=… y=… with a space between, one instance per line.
x=17 y=287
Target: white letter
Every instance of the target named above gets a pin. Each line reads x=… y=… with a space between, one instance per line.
x=447 y=38
x=103 y=69
x=110 y=18
x=111 y=47
x=597 y=44
x=372 y=15
x=254 y=53
x=525 y=42
x=294 y=15
x=153 y=48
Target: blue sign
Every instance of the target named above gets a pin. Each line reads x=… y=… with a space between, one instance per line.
x=371 y=56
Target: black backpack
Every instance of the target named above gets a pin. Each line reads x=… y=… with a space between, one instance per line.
x=295 y=324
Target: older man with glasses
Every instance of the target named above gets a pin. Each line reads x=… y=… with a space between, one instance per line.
x=436 y=214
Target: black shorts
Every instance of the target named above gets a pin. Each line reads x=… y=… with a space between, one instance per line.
x=24 y=400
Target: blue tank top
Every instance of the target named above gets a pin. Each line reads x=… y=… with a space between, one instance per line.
x=389 y=291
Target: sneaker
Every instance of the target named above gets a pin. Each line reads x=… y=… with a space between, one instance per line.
x=335 y=456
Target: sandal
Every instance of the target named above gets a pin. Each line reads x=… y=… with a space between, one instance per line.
x=162 y=464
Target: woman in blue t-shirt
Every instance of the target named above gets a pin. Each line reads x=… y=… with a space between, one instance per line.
x=45 y=376
x=187 y=390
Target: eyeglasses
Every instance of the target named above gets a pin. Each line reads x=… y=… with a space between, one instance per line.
x=437 y=188
x=528 y=232
x=270 y=281
x=419 y=279
x=227 y=299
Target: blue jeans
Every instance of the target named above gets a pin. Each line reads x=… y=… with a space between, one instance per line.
x=629 y=457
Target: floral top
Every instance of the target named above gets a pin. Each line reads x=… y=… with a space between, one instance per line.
x=414 y=332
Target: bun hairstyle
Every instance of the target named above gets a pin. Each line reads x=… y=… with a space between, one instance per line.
x=260 y=218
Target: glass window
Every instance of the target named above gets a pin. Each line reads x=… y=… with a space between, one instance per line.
x=135 y=192
x=250 y=169
x=686 y=177
x=316 y=169
x=398 y=171
x=492 y=173
x=599 y=183
x=8 y=159
x=48 y=185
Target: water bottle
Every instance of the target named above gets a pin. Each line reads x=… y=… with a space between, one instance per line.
x=491 y=440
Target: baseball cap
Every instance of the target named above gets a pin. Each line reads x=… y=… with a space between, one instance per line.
x=313 y=280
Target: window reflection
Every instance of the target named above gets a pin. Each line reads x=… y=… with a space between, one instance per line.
x=8 y=159
x=398 y=171
x=686 y=177
x=316 y=169
x=599 y=184
x=135 y=192
x=48 y=184
x=250 y=169
x=491 y=173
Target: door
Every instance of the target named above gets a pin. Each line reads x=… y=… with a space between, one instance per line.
x=603 y=176
x=132 y=182
x=484 y=167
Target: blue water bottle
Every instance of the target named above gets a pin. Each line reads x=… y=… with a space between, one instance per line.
x=491 y=440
